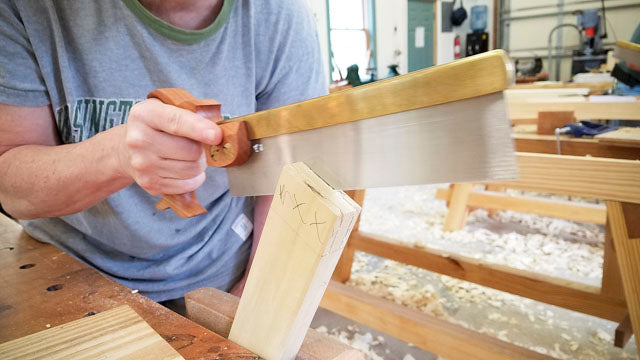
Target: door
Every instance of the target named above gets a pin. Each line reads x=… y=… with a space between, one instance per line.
x=421 y=18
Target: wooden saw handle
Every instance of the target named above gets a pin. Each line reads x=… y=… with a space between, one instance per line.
x=234 y=149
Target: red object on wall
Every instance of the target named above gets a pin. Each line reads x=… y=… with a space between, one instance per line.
x=456 y=47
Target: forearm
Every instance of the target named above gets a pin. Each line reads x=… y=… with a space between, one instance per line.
x=46 y=181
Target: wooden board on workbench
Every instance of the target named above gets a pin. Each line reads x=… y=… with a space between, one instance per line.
x=306 y=229
x=49 y=288
x=601 y=178
x=547 y=144
x=215 y=310
x=597 y=87
x=586 y=110
x=627 y=136
x=119 y=333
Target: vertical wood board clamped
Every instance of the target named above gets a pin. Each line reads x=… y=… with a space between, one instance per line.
x=234 y=149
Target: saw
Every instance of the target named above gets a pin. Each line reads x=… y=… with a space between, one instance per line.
x=447 y=123
x=627 y=51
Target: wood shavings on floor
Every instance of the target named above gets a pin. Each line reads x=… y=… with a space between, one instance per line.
x=556 y=247
x=372 y=343
x=413 y=216
x=363 y=342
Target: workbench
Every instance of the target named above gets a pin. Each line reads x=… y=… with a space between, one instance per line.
x=44 y=287
x=547 y=144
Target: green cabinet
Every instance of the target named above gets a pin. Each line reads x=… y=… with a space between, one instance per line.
x=421 y=17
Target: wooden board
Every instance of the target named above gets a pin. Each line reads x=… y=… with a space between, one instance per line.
x=582 y=110
x=546 y=144
x=595 y=87
x=611 y=283
x=448 y=340
x=623 y=333
x=119 y=333
x=470 y=77
x=514 y=94
x=627 y=136
x=306 y=229
x=596 y=214
x=555 y=291
x=216 y=309
x=600 y=178
x=342 y=272
x=624 y=219
x=549 y=121
x=30 y=268
x=458 y=210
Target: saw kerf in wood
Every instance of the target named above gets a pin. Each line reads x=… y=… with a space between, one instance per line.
x=467 y=78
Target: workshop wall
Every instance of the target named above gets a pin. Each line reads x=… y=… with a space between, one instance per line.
x=392 y=32
x=445 y=39
x=391 y=27
x=528 y=30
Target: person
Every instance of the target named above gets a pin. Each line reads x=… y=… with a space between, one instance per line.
x=84 y=156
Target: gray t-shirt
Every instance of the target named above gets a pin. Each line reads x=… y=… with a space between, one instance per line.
x=92 y=60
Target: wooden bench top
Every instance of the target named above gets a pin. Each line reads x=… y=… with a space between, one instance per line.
x=29 y=302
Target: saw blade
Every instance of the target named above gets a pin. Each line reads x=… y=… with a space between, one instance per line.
x=627 y=51
x=462 y=141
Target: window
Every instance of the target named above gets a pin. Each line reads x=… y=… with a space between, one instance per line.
x=349 y=37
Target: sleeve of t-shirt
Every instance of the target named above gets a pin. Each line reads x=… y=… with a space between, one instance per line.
x=294 y=66
x=21 y=81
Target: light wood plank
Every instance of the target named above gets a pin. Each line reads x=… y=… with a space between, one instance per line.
x=623 y=333
x=549 y=121
x=119 y=333
x=555 y=291
x=600 y=178
x=306 y=229
x=597 y=87
x=547 y=144
x=216 y=309
x=520 y=94
x=582 y=110
x=611 y=279
x=625 y=226
x=463 y=79
x=628 y=136
x=495 y=188
x=458 y=206
x=591 y=213
x=342 y=273
x=450 y=341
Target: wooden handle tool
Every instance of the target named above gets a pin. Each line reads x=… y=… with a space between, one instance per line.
x=234 y=149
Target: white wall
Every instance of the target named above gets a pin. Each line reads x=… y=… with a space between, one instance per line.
x=392 y=32
x=445 y=40
x=391 y=35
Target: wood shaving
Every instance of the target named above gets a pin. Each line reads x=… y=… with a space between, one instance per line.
x=556 y=247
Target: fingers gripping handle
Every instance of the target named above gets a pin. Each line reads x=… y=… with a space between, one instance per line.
x=234 y=149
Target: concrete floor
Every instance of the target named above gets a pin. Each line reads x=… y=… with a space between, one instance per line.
x=544 y=328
